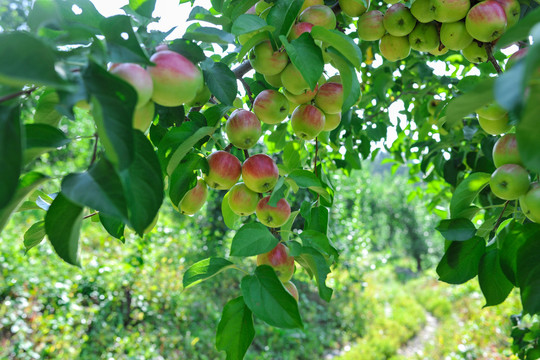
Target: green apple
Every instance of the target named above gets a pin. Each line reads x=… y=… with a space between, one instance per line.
x=486 y=21
x=243 y=201
x=506 y=151
x=274 y=80
x=475 y=53
x=441 y=50
x=307 y=121
x=492 y=111
x=450 y=10
x=432 y=106
x=224 y=170
x=293 y=81
x=530 y=203
x=266 y=61
x=243 y=129
x=143 y=117
x=423 y=10
x=512 y=9
x=398 y=20
x=494 y=127
x=273 y=216
x=424 y=37
x=194 y=199
x=455 y=35
x=201 y=98
x=394 y=48
x=291 y=288
x=353 y=8
x=271 y=106
x=261 y=6
x=509 y=182
x=280 y=260
x=302 y=98
x=260 y=173
x=138 y=77
x=370 y=26
x=331 y=121
x=308 y=3
x=319 y=15
x=329 y=98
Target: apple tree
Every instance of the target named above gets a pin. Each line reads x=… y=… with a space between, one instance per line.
x=265 y=99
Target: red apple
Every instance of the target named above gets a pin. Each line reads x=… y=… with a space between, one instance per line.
x=353 y=8
x=486 y=21
x=243 y=129
x=137 y=77
x=260 y=173
x=506 y=151
x=307 y=121
x=291 y=288
x=279 y=259
x=273 y=216
x=530 y=203
x=176 y=80
x=512 y=9
x=162 y=47
x=320 y=15
x=266 y=61
x=518 y=55
x=224 y=170
x=194 y=199
x=243 y=201
x=450 y=10
x=370 y=26
x=298 y=29
x=509 y=182
x=398 y=20
x=143 y=117
x=329 y=98
x=394 y=48
x=271 y=106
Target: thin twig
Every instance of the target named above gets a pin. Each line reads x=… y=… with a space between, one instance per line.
x=17 y=94
x=228 y=148
x=94 y=153
x=90 y=215
x=246 y=153
x=500 y=216
x=491 y=58
x=248 y=92
x=242 y=69
x=315 y=158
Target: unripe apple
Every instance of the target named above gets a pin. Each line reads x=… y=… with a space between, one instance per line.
x=260 y=173
x=450 y=10
x=530 y=203
x=475 y=53
x=307 y=121
x=423 y=10
x=353 y=8
x=143 y=117
x=224 y=170
x=136 y=76
x=331 y=121
x=201 y=98
x=441 y=50
x=455 y=35
x=319 y=15
x=509 y=182
x=424 y=37
x=495 y=127
x=176 y=80
x=492 y=111
x=266 y=61
x=398 y=20
x=243 y=129
x=273 y=216
x=194 y=199
x=274 y=80
x=329 y=98
x=432 y=106
x=243 y=201
x=291 y=288
x=512 y=10
x=280 y=260
x=298 y=29
x=518 y=55
x=302 y=98
x=271 y=106
x=486 y=21
x=394 y=48
x=370 y=26
x=506 y=151
x=308 y=3
x=293 y=81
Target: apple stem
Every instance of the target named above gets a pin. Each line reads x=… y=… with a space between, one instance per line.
x=491 y=58
x=501 y=216
x=94 y=152
x=90 y=215
x=315 y=158
x=246 y=153
x=228 y=148
x=274 y=232
x=17 y=94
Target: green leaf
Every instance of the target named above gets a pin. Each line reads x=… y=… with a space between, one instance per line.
x=184 y=177
x=292 y=155
x=286 y=228
x=63 y=224
x=235 y=330
x=235 y=8
x=229 y=217
x=306 y=56
x=528 y=273
x=204 y=270
x=215 y=113
x=315 y=263
x=304 y=178
x=520 y=31
x=143 y=7
x=189 y=49
x=283 y=15
x=493 y=283
x=466 y=104
x=511 y=238
x=210 y=35
x=528 y=131
x=11 y=144
x=143 y=185
x=247 y=23
x=46 y=112
x=220 y=80
x=509 y=87
x=318 y=241
x=199 y=13
x=35 y=61
x=341 y=42
x=349 y=80
x=466 y=192
x=278 y=192
x=253 y=239
x=460 y=261
x=99 y=188
x=113 y=103
x=34 y=235
x=456 y=229
x=42 y=138
x=115 y=227
x=122 y=43
x=266 y=296
x=252 y=42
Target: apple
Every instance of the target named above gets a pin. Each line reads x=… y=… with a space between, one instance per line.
x=455 y=35
x=441 y=50
x=450 y=10
x=280 y=260
x=293 y=80
x=298 y=29
x=506 y=151
x=432 y=106
x=423 y=10
x=242 y=201
x=266 y=61
x=224 y=170
x=492 y=111
x=486 y=21
x=271 y=106
x=370 y=26
x=194 y=199
x=291 y=288
x=273 y=216
x=424 y=37
x=329 y=98
x=307 y=121
x=138 y=78
x=251 y=10
x=512 y=9
x=143 y=116
x=261 y=6
x=475 y=53
x=243 y=129
x=201 y=98
x=518 y=55
x=260 y=173
x=274 y=80
x=308 y=3
x=394 y=48
x=319 y=15
x=391 y=2
x=162 y=47
x=176 y=79
x=331 y=121
x=398 y=20
x=509 y=181
x=494 y=127
x=302 y=98
x=530 y=203
x=353 y=8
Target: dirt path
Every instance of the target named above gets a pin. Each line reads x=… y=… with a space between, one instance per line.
x=416 y=344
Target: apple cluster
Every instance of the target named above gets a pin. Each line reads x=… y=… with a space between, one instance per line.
x=435 y=26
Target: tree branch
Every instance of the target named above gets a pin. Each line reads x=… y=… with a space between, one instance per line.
x=17 y=94
x=246 y=154
x=242 y=69
x=94 y=153
x=491 y=58
x=500 y=216
x=248 y=92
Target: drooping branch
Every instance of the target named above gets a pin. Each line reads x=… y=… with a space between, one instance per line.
x=17 y=94
x=491 y=58
x=242 y=69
